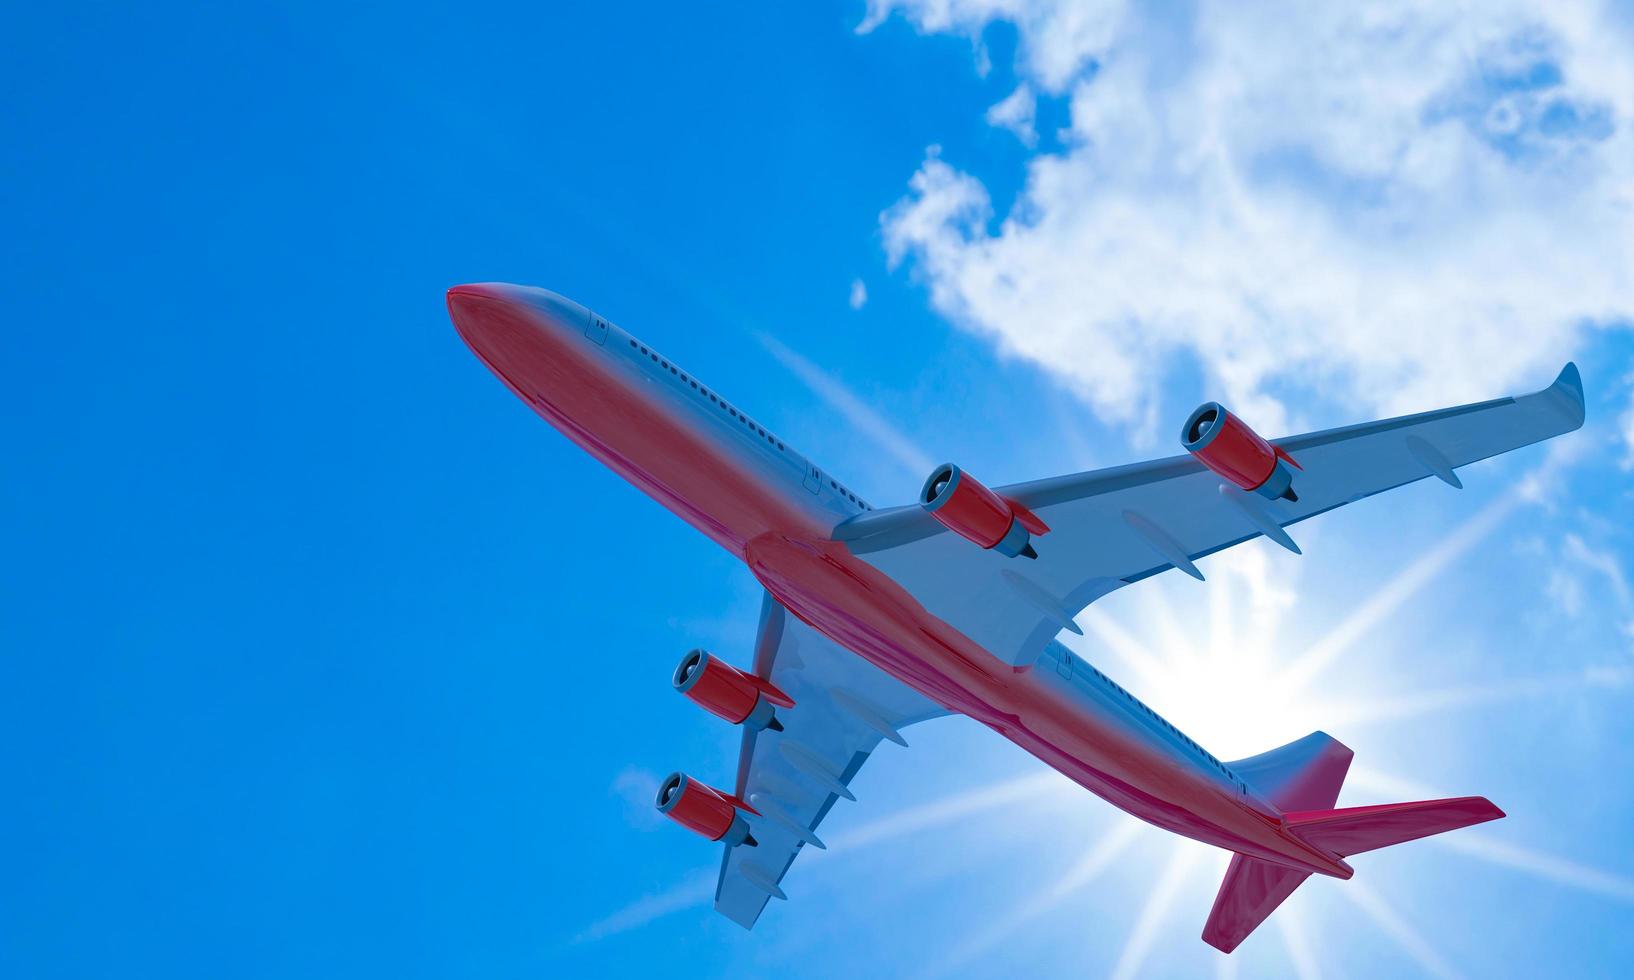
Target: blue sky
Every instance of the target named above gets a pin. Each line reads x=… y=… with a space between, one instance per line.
x=323 y=656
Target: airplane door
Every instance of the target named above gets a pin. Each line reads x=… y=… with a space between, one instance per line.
x=814 y=479
x=596 y=330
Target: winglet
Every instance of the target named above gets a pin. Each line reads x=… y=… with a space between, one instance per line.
x=1568 y=392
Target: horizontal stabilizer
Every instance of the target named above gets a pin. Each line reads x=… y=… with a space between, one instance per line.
x=1365 y=828
x=1251 y=891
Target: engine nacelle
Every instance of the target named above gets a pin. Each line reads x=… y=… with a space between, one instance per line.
x=1225 y=444
x=704 y=810
x=979 y=515
x=727 y=692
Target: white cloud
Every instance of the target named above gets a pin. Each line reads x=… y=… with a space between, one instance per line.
x=859 y=294
x=1016 y=112
x=1609 y=567
x=1059 y=37
x=1396 y=205
x=1565 y=592
x=1603 y=563
x=636 y=788
x=1607 y=592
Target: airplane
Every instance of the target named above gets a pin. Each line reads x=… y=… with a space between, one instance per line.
x=874 y=619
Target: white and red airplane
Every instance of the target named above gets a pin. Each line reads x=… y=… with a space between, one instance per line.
x=876 y=619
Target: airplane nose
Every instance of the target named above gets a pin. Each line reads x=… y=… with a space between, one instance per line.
x=470 y=307
x=510 y=335
x=494 y=320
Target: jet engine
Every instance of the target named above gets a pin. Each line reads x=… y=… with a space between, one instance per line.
x=727 y=692
x=1225 y=444
x=979 y=515
x=704 y=810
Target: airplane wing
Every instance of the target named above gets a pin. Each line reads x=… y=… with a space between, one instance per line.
x=1110 y=528
x=843 y=708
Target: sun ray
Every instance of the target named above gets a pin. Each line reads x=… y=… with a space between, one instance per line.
x=1222 y=622
x=1160 y=617
x=1372 y=610
x=1397 y=928
x=1376 y=781
x=1089 y=867
x=1158 y=903
x=1490 y=850
x=696 y=889
x=1291 y=924
x=949 y=808
x=1237 y=605
x=1120 y=642
x=1421 y=703
x=1582 y=877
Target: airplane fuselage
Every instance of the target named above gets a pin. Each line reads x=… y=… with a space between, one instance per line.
x=676 y=439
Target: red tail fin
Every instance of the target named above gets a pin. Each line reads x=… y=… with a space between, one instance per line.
x=1302 y=776
x=1364 y=828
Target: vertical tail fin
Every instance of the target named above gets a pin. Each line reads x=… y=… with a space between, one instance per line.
x=1302 y=775
x=1303 y=778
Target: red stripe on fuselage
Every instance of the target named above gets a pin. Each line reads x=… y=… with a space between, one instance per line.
x=578 y=388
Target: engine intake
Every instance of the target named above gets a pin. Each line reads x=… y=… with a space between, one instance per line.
x=729 y=693
x=967 y=508
x=1227 y=446
x=704 y=810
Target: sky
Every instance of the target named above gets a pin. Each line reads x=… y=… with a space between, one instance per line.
x=321 y=655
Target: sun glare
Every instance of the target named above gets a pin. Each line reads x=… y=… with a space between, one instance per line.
x=1223 y=678
x=1216 y=674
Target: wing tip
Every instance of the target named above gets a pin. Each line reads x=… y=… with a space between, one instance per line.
x=1221 y=940
x=745 y=917
x=1568 y=391
x=1485 y=809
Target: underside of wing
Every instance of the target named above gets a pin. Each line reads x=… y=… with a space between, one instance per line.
x=843 y=708
x=1105 y=529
